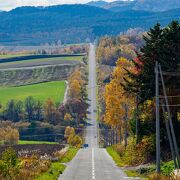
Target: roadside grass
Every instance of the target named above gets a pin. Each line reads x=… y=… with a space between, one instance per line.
x=131 y=173
x=143 y=172
x=41 y=91
x=118 y=160
x=23 y=142
x=53 y=173
x=69 y=155
x=57 y=168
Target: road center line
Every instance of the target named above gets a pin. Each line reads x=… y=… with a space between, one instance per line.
x=93 y=165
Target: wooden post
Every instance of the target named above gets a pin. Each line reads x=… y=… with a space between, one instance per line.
x=158 y=168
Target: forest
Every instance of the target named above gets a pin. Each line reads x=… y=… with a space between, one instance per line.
x=128 y=107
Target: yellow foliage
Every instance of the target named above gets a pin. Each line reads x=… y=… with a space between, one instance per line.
x=67 y=117
x=116 y=99
x=75 y=141
x=75 y=89
x=9 y=135
x=69 y=131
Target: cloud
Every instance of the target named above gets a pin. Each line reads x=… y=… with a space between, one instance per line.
x=10 y=4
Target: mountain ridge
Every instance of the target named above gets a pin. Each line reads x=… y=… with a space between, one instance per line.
x=147 y=5
x=72 y=23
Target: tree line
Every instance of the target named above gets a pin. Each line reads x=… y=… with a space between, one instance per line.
x=128 y=106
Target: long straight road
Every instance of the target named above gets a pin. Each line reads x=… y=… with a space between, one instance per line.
x=92 y=163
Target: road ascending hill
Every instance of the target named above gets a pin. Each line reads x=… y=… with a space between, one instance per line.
x=92 y=162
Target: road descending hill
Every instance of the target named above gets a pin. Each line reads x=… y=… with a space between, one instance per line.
x=93 y=162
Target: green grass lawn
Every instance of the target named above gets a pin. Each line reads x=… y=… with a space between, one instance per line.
x=42 y=91
x=22 y=142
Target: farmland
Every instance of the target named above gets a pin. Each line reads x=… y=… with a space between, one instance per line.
x=42 y=91
x=14 y=62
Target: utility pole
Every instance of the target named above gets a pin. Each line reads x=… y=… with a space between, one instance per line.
x=169 y=136
x=170 y=118
x=158 y=168
x=137 y=120
x=125 y=119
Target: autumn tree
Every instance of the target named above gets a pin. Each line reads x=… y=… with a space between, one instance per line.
x=51 y=113
x=119 y=104
x=9 y=135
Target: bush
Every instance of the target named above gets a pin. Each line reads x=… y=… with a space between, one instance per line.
x=136 y=154
x=145 y=149
x=9 y=165
x=75 y=141
x=9 y=135
x=120 y=149
x=167 y=168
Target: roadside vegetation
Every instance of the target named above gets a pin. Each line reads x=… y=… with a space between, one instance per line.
x=127 y=80
x=38 y=122
x=34 y=167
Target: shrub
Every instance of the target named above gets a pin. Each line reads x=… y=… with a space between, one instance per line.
x=9 y=135
x=120 y=149
x=146 y=148
x=167 y=168
x=75 y=141
x=69 y=131
x=9 y=164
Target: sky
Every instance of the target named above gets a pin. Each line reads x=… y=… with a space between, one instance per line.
x=11 y=4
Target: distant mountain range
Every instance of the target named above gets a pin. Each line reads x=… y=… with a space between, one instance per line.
x=146 y=5
x=98 y=3
x=73 y=23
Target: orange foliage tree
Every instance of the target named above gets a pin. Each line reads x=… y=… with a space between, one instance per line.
x=119 y=104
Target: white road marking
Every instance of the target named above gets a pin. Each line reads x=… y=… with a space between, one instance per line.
x=93 y=165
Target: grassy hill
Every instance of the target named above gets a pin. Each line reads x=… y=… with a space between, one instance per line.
x=72 y=23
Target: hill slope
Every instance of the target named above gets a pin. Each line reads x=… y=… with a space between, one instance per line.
x=72 y=23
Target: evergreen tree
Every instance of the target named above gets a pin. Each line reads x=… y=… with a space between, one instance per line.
x=161 y=45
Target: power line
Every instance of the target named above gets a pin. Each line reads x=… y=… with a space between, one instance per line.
x=169 y=96
x=171 y=73
x=173 y=105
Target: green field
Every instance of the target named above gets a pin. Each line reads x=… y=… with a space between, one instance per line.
x=42 y=91
x=22 y=142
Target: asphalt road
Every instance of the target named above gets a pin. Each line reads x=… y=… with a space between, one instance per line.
x=92 y=163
